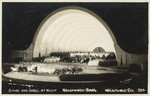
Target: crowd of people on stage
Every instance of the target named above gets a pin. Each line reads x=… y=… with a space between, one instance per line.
x=104 y=59
x=81 y=57
x=101 y=59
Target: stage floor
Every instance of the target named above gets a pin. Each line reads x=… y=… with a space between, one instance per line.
x=28 y=76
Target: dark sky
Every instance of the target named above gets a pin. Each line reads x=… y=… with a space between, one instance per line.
x=128 y=22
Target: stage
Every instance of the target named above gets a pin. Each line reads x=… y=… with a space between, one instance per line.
x=87 y=70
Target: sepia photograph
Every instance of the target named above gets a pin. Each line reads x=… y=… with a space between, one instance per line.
x=74 y=48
